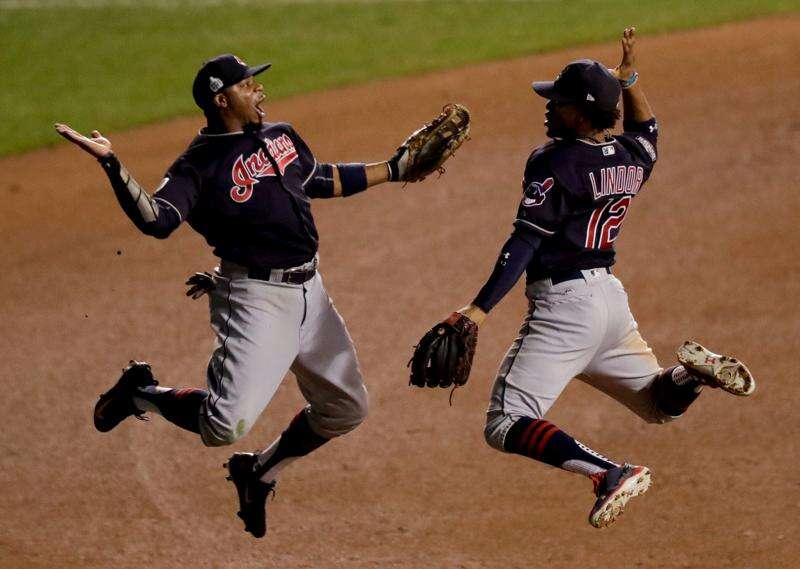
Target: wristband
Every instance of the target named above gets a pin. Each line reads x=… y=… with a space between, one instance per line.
x=630 y=81
x=394 y=174
x=353 y=178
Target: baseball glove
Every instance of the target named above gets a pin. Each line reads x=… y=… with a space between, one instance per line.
x=444 y=355
x=426 y=149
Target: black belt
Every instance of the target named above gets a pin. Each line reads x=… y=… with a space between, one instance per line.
x=572 y=275
x=290 y=277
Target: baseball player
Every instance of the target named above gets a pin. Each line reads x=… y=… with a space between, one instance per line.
x=244 y=184
x=577 y=189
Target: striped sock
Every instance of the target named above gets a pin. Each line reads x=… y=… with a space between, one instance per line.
x=543 y=441
x=180 y=406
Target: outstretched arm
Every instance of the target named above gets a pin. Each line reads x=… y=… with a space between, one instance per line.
x=635 y=106
x=142 y=210
x=514 y=258
x=342 y=180
x=418 y=156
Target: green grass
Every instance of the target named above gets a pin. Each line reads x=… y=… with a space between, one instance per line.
x=117 y=64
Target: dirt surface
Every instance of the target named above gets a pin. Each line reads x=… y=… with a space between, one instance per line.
x=709 y=252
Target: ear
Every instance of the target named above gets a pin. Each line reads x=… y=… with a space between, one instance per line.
x=220 y=100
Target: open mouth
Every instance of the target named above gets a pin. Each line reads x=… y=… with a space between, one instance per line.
x=258 y=108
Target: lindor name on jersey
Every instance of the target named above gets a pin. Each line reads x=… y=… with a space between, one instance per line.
x=615 y=180
x=246 y=171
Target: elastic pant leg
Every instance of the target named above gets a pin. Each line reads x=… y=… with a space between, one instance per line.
x=674 y=390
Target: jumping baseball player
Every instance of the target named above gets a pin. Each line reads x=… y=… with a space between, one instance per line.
x=244 y=184
x=577 y=189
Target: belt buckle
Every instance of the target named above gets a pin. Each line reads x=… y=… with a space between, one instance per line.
x=295 y=277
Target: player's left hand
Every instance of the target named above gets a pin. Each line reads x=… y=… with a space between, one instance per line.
x=426 y=150
x=200 y=284
x=443 y=356
x=474 y=313
x=627 y=66
x=98 y=145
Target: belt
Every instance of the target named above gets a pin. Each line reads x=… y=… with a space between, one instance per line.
x=290 y=276
x=573 y=275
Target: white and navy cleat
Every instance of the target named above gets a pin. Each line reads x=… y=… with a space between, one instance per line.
x=715 y=370
x=614 y=489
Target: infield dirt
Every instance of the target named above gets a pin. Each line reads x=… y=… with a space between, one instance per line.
x=709 y=252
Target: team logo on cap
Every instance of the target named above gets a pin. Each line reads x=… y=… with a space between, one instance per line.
x=215 y=84
x=536 y=192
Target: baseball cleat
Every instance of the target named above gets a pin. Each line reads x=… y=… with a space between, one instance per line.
x=116 y=404
x=714 y=370
x=614 y=488
x=252 y=492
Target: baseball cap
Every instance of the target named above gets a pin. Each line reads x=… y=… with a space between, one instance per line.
x=583 y=81
x=218 y=73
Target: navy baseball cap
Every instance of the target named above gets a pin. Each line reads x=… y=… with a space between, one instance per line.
x=218 y=73
x=583 y=81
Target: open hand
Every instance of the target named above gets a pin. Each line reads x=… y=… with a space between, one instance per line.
x=627 y=66
x=98 y=146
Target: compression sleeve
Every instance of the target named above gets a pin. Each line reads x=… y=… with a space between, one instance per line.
x=515 y=256
x=142 y=210
x=320 y=182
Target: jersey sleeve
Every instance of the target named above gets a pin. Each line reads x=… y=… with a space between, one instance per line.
x=644 y=138
x=180 y=188
x=542 y=207
x=308 y=162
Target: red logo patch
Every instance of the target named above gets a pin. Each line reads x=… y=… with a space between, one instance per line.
x=536 y=192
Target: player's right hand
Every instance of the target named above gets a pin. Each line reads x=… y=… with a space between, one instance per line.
x=98 y=146
x=627 y=66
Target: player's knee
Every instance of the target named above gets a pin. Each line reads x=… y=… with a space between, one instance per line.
x=359 y=408
x=496 y=429
x=216 y=432
x=341 y=418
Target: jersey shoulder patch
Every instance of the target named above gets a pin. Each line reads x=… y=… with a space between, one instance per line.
x=536 y=192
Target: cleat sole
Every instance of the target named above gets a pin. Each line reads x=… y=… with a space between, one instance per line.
x=715 y=370
x=614 y=507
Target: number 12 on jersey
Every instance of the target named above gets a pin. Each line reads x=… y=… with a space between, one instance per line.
x=605 y=222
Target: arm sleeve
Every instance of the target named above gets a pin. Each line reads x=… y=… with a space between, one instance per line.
x=644 y=135
x=515 y=256
x=158 y=216
x=320 y=183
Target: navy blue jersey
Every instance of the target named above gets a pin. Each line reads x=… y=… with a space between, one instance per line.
x=226 y=187
x=576 y=194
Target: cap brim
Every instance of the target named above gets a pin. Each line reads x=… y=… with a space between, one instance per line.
x=257 y=69
x=546 y=89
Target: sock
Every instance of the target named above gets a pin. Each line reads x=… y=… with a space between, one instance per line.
x=541 y=440
x=297 y=440
x=675 y=389
x=178 y=406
